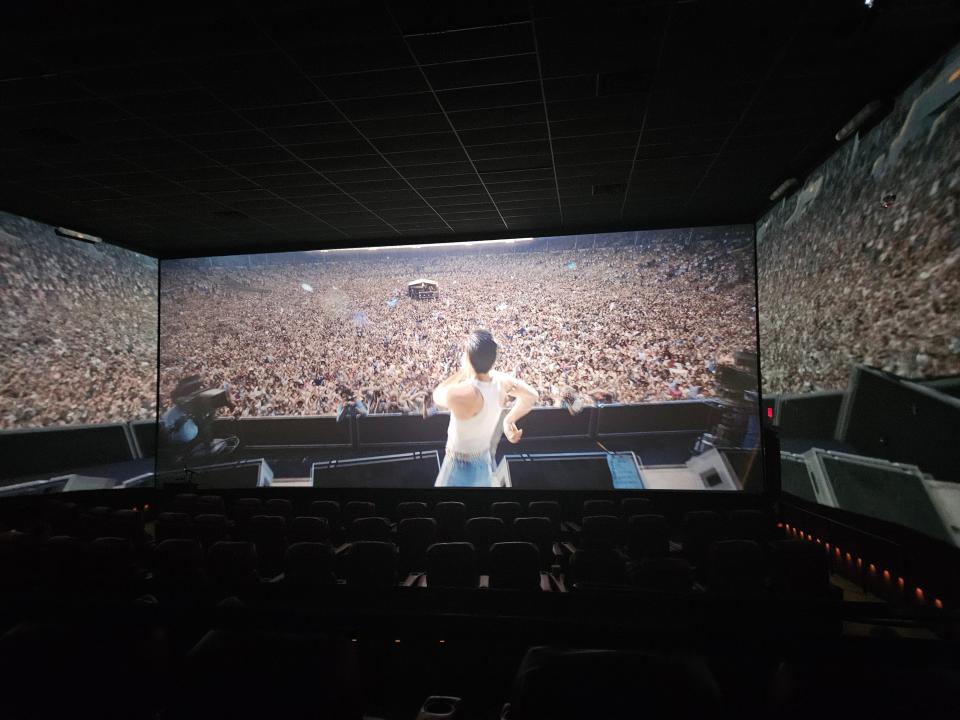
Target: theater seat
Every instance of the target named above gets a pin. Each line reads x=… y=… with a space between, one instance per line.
x=279 y=506
x=210 y=528
x=414 y=536
x=701 y=528
x=664 y=574
x=268 y=533
x=329 y=509
x=110 y=563
x=17 y=560
x=600 y=566
x=371 y=564
x=128 y=524
x=559 y=684
x=736 y=566
x=506 y=511
x=753 y=525
x=601 y=531
x=309 y=529
x=515 y=566
x=370 y=528
x=170 y=525
x=540 y=532
x=412 y=510
x=648 y=536
x=242 y=511
x=635 y=506
x=451 y=520
x=188 y=503
x=549 y=509
x=452 y=565
x=62 y=562
x=309 y=565
x=232 y=565
x=482 y=532
x=598 y=507
x=211 y=505
x=358 y=509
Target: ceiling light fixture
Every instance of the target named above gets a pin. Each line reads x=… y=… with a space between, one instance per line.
x=74 y=235
x=783 y=188
x=858 y=120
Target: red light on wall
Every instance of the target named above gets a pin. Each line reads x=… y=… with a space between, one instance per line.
x=827 y=546
x=859 y=563
x=836 y=551
x=900 y=583
x=886 y=576
x=770 y=412
x=779 y=525
x=872 y=569
x=938 y=603
x=918 y=593
x=849 y=558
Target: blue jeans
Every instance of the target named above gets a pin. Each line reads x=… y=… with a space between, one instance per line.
x=465 y=473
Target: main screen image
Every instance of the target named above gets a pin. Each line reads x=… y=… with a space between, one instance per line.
x=859 y=285
x=78 y=357
x=635 y=320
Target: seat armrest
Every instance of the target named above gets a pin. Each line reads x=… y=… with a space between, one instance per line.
x=484 y=582
x=340 y=549
x=412 y=580
x=545 y=584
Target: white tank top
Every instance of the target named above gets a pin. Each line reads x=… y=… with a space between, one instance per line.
x=471 y=438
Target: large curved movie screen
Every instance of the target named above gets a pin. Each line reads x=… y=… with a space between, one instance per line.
x=78 y=360
x=611 y=360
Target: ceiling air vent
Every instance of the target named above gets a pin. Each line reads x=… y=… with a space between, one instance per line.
x=611 y=189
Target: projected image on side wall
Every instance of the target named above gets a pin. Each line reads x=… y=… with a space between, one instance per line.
x=78 y=361
x=591 y=361
x=859 y=284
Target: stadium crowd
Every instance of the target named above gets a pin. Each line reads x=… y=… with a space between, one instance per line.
x=869 y=270
x=78 y=335
x=631 y=324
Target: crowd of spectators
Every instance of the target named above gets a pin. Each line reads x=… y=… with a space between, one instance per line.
x=78 y=330
x=869 y=270
x=632 y=324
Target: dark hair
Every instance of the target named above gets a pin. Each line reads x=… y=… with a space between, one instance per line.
x=481 y=349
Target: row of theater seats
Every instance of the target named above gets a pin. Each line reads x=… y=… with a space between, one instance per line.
x=200 y=545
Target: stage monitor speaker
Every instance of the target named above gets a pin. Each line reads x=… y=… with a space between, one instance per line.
x=404 y=470
x=557 y=471
x=242 y=474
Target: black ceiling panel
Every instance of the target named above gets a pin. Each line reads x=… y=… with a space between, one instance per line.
x=296 y=124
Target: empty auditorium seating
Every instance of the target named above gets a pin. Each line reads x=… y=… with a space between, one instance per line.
x=515 y=566
x=482 y=532
x=188 y=503
x=451 y=520
x=232 y=565
x=747 y=524
x=370 y=528
x=329 y=509
x=173 y=525
x=412 y=510
x=309 y=565
x=279 y=506
x=635 y=506
x=178 y=565
x=210 y=528
x=371 y=564
x=736 y=566
x=127 y=524
x=452 y=565
x=358 y=509
x=598 y=507
x=211 y=505
x=242 y=511
x=539 y=531
x=549 y=509
x=701 y=528
x=800 y=569
x=601 y=531
x=663 y=574
x=62 y=562
x=110 y=563
x=648 y=536
x=268 y=533
x=506 y=511
x=414 y=536
x=305 y=528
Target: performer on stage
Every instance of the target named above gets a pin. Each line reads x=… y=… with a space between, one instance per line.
x=475 y=395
